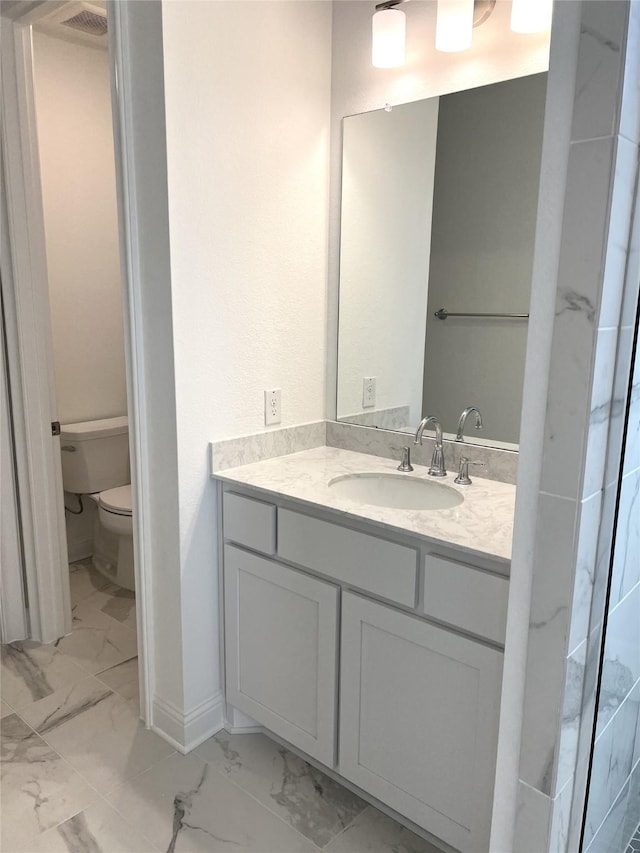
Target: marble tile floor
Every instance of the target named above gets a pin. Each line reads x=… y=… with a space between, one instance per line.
x=240 y=792
x=80 y=773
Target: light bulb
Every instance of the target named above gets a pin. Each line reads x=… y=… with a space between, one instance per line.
x=454 y=25
x=531 y=16
x=388 y=34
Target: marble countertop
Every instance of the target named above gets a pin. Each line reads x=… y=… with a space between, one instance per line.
x=482 y=523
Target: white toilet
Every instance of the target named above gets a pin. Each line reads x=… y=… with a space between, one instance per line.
x=95 y=462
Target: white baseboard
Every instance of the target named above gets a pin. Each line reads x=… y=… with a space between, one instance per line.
x=80 y=550
x=185 y=731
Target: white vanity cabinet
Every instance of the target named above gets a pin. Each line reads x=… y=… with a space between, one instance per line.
x=281 y=645
x=419 y=719
x=411 y=637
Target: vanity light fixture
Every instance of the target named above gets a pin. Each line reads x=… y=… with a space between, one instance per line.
x=531 y=16
x=455 y=22
x=456 y=19
x=388 y=35
x=454 y=25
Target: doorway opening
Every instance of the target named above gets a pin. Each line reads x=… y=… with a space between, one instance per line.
x=71 y=330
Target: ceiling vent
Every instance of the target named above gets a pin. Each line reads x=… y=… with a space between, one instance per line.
x=87 y=22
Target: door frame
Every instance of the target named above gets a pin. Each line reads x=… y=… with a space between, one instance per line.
x=38 y=468
x=26 y=229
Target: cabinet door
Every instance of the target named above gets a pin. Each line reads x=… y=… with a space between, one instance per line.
x=419 y=720
x=281 y=646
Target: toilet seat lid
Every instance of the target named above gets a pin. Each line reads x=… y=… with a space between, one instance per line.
x=117 y=500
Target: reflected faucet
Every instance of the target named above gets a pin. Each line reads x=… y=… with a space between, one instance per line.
x=437 y=468
x=463 y=419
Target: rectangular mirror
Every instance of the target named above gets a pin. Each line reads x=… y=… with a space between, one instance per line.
x=439 y=203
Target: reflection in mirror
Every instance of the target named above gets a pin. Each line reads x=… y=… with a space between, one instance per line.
x=439 y=201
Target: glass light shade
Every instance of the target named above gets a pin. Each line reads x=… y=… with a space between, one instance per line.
x=454 y=25
x=388 y=38
x=531 y=16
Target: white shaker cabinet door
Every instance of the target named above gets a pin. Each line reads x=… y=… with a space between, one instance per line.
x=419 y=720
x=281 y=640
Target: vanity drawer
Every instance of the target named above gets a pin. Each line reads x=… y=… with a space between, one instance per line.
x=249 y=522
x=469 y=598
x=375 y=565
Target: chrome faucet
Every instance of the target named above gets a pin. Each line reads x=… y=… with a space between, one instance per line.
x=463 y=478
x=463 y=419
x=406 y=465
x=437 y=468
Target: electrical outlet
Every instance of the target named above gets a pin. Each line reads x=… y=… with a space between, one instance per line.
x=272 y=406
x=368 y=392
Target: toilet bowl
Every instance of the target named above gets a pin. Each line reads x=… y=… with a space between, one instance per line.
x=113 y=554
x=95 y=463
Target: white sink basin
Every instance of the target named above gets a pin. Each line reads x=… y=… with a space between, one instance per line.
x=396 y=491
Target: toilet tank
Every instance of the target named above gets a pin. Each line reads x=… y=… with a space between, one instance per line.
x=95 y=455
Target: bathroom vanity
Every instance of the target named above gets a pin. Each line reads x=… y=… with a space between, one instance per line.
x=371 y=637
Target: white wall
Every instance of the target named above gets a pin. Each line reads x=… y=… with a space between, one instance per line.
x=387 y=187
x=247 y=129
x=75 y=140
x=496 y=54
x=247 y=114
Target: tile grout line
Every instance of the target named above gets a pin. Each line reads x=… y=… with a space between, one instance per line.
x=78 y=771
x=98 y=797
x=244 y=790
x=255 y=799
x=85 y=673
x=104 y=801
x=68 y=764
x=344 y=829
x=613 y=805
x=124 y=780
x=115 y=690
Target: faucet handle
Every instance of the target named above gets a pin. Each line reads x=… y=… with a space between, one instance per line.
x=463 y=478
x=406 y=465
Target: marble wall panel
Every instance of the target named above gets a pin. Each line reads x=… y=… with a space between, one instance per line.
x=577 y=809
x=629 y=308
x=626 y=558
x=571 y=716
x=630 y=109
x=599 y=69
x=577 y=306
x=603 y=556
x=623 y=198
x=609 y=836
x=612 y=764
x=632 y=817
x=632 y=447
x=499 y=465
x=587 y=551
x=600 y=411
x=532 y=820
x=548 y=627
x=617 y=422
x=561 y=818
x=266 y=445
x=621 y=667
x=591 y=673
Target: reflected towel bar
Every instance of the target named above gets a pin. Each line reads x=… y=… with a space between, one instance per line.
x=442 y=314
